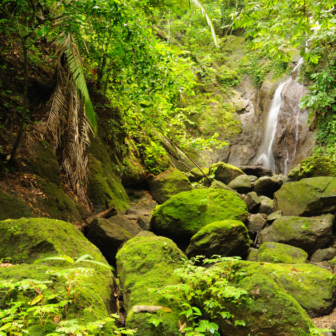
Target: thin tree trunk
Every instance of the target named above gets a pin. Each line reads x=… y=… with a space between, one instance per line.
x=24 y=107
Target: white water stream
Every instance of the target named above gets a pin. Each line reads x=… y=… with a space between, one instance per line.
x=270 y=129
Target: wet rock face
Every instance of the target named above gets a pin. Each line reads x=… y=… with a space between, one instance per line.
x=293 y=141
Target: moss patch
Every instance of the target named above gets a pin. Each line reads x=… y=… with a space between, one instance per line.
x=317 y=166
x=11 y=207
x=104 y=184
x=145 y=262
x=225 y=172
x=281 y=253
x=187 y=212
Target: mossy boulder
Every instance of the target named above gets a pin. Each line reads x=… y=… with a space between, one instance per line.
x=104 y=185
x=323 y=255
x=26 y=240
x=256 y=222
x=281 y=253
x=168 y=184
x=268 y=308
x=313 y=167
x=308 y=234
x=266 y=205
x=144 y=262
x=227 y=238
x=225 y=172
x=241 y=184
x=313 y=287
x=198 y=174
x=252 y=201
x=186 y=213
x=220 y=185
x=12 y=207
x=308 y=197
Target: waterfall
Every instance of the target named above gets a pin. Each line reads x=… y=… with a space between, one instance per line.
x=271 y=127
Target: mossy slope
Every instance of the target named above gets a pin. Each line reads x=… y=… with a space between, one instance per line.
x=147 y=261
x=187 y=212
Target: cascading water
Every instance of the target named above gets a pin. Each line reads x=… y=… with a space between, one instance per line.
x=270 y=129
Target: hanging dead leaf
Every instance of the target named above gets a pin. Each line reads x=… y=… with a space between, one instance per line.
x=182 y=326
x=56 y=318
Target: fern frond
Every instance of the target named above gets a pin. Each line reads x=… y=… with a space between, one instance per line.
x=199 y=6
x=76 y=68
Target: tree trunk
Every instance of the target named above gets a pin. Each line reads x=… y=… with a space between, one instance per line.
x=24 y=107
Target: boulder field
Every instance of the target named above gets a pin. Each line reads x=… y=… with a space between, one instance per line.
x=266 y=241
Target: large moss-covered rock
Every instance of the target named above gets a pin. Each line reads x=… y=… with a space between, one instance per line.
x=145 y=262
x=270 y=311
x=12 y=207
x=313 y=167
x=168 y=184
x=108 y=235
x=226 y=238
x=225 y=172
x=308 y=234
x=281 y=253
x=186 y=213
x=104 y=185
x=26 y=240
x=314 y=288
x=308 y=197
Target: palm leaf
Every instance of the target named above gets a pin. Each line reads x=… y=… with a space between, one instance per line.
x=75 y=64
x=199 y=6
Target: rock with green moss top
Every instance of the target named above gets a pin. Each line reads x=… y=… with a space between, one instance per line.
x=186 y=213
x=308 y=234
x=315 y=166
x=281 y=253
x=308 y=197
x=104 y=185
x=26 y=240
x=168 y=184
x=12 y=207
x=220 y=185
x=198 y=174
x=266 y=205
x=144 y=262
x=252 y=201
x=225 y=172
x=109 y=234
x=226 y=238
x=241 y=184
x=268 y=309
x=314 y=288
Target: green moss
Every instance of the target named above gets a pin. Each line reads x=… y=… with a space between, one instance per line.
x=317 y=166
x=57 y=203
x=187 y=212
x=281 y=253
x=225 y=172
x=11 y=207
x=104 y=184
x=43 y=162
x=145 y=262
x=269 y=310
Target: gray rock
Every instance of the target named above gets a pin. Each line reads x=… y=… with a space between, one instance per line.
x=144 y=222
x=274 y=215
x=241 y=184
x=307 y=197
x=323 y=255
x=256 y=222
x=252 y=178
x=256 y=171
x=333 y=326
x=109 y=234
x=225 y=172
x=267 y=186
x=266 y=206
x=309 y=234
x=252 y=254
x=252 y=201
